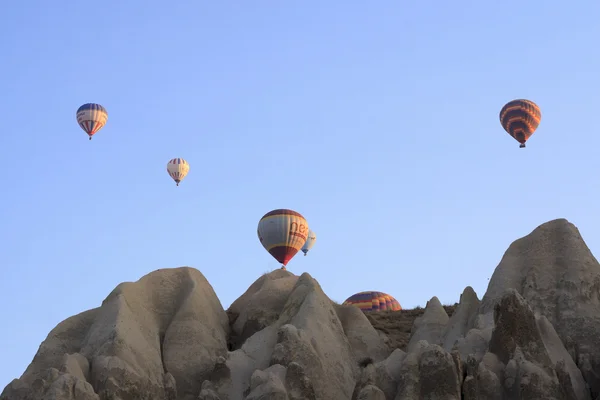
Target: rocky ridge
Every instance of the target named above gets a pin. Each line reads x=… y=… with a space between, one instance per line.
x=535 y=334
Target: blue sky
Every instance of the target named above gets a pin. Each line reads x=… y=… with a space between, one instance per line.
x=377 y=121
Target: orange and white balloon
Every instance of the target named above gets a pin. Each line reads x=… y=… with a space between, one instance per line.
x=178 y=168
x=282 y=233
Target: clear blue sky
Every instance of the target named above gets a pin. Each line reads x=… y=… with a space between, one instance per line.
x=377 y=121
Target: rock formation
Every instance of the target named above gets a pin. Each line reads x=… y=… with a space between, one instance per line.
x=535 y=334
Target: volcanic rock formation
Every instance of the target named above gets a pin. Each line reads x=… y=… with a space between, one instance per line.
x=534 y=335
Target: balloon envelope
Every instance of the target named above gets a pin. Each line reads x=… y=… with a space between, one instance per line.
x=373 y=301
x=178 y=168
x=310 y=242
x=282 y=233
x=91 y=118
x=520 y=118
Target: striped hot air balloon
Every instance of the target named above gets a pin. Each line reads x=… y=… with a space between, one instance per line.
x=178 y=168
x=520 y=118
x=282 y=233
x=310 y=242
x=91 y=118
x=373 y=301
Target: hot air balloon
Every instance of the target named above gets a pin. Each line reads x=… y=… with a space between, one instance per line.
x=520 y=118
x=373 y=301
x=178 y=168
x=91 y=118
x=310 y=242
x=282 y=233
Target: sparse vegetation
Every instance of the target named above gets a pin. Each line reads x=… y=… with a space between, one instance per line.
x=397 y=325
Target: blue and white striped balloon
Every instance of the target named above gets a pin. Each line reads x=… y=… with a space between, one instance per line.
x=91 y=118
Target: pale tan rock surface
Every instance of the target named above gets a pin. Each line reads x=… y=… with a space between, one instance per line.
x=556 y=273
x=534 y=334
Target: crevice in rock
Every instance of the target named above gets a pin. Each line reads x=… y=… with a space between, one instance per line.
x=364 y=362
x=233 y=341
x=251 y=326
x=90 y=375
x=161 y=341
